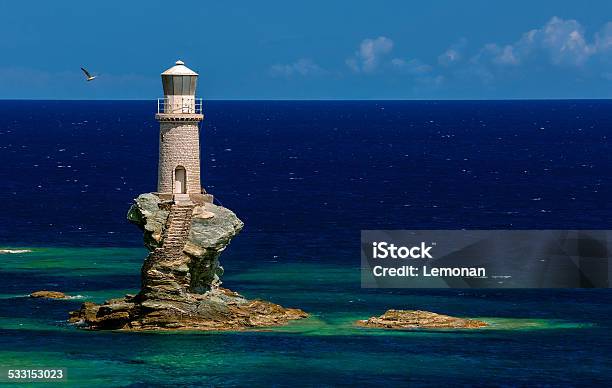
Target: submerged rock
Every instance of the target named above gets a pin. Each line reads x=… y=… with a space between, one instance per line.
x=48 y=294
x=181 y=276
x=418 y=319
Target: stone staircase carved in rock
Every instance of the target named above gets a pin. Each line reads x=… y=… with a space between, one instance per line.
x=177 y=229
x=164 y=262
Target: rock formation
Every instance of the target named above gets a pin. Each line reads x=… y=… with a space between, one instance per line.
x=417 y=319
x=48 y=294
x=181 y=276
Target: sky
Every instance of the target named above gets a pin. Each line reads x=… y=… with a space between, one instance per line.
x=333 y=49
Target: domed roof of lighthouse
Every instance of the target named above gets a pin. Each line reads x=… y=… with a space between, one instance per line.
x=179 y=69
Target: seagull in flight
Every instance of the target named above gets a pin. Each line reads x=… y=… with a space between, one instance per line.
x=89 y=76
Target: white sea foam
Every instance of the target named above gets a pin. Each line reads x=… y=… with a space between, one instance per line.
x=13 y=251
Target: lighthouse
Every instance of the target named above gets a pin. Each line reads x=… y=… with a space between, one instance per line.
x=179 y=114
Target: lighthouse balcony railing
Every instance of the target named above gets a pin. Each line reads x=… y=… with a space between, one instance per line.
x=188 y=105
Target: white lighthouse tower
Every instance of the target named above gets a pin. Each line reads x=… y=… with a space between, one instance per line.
x=179 y=114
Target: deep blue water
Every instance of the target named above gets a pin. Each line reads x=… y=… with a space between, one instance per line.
x=69 y=169
x=306 y=177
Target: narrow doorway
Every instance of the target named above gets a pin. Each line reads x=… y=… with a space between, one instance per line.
x=180 y=180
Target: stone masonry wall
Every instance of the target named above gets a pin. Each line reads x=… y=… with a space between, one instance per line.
x=179 y=145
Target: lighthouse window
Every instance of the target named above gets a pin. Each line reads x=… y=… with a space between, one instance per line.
x=186 y=85
x=193 y=85
x=177 y=84
x=167 y=82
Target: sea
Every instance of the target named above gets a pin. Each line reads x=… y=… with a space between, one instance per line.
x=306 y=177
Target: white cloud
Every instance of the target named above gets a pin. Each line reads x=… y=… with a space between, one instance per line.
x=370 y=54
x=302 y=67
x=413 y=66
x=449 y=56
x=373 y=55
x=494 y=54
x=560 y=42
x=507 y=56
x=603 y=39
x=453 y=54
x=565 y=42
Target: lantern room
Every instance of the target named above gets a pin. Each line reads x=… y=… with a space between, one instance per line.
x=179 y=80
x=179 y=84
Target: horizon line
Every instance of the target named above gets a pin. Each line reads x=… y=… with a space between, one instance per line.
x=328 y=99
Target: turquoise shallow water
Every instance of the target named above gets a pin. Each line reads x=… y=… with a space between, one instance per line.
x=563 y=333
